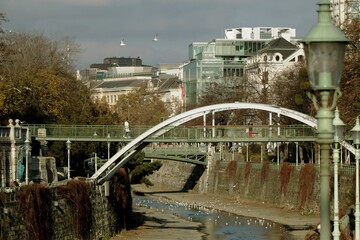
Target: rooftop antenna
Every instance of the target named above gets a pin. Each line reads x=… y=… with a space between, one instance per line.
x=156 y=38
x=122 y=43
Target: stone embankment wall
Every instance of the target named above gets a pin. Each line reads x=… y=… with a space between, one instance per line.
x=50 y=215
x=286 y=186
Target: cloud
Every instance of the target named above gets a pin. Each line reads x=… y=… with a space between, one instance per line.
x=65 y=2
x=89 y=2
x=99 y=25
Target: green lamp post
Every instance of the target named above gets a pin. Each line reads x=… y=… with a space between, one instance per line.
x=324 y=49
x=338 y=137
x=68 y=147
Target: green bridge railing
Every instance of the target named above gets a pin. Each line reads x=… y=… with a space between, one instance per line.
x=174 y=134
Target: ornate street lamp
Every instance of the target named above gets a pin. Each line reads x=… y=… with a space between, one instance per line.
x=324 y=48
x=27 y=149
x=356 y=141
x=68 y=146
x=338 y=136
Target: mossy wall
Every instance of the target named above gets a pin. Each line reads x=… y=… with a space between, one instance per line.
x=76 y=209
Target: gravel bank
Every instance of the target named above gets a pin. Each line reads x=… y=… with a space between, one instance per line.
x=160 y=226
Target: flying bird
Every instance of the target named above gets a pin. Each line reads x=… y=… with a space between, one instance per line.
x=122 y=43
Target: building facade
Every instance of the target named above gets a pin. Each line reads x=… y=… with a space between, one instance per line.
x=224 y=60
x=266 y=67
x=345 y=10
x=119 y=80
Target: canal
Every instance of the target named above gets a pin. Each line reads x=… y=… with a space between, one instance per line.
x=215 y=224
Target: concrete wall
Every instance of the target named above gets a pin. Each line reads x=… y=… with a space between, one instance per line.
x=226 y=178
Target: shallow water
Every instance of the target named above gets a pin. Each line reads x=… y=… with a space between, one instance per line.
x=218 y=225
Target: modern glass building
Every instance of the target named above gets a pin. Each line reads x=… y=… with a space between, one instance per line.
x=222 y=60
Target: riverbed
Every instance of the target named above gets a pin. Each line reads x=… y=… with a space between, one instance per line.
x=161 y=222
x=215 y=224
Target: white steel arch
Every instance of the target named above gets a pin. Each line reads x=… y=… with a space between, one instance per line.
x=179 y=119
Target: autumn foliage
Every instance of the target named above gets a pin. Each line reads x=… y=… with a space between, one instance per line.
x=285 y=173
x=306 y=182
x=35 y=205
x=265 y=168
x=247 y=170
x=121 y=198
x=350 y=81
x=77 y=195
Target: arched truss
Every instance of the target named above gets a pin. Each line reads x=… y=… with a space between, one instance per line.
x=137 y=144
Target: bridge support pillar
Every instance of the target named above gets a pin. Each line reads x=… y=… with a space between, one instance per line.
x=211 y=177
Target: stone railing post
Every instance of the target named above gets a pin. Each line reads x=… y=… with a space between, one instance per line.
x=12 y=152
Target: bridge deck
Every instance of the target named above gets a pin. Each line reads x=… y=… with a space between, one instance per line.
x=112 y=133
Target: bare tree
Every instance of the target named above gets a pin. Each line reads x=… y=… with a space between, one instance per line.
x=224 y=90
x=349 y=102
x=142 y=107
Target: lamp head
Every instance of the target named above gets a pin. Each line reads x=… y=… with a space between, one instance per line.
x=68 y=144
x=355 y=131
x=324 y=49
x=338 y=126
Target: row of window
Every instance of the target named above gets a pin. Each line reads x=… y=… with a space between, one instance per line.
x=233 y=72
x=110 y=99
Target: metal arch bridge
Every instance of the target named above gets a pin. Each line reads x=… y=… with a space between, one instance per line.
x=137 y=144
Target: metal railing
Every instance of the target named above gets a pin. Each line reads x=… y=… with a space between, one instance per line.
x=53 y=132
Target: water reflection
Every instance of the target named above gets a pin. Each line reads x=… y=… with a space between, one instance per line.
x=216 y=224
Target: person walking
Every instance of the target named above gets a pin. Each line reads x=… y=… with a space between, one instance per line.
x=127 y=129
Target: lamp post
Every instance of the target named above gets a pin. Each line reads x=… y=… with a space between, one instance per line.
x=68 y=146
x=27 y=149
x=338 y=136
x=324 y=48
x=356 y=141
x=95 y=156
x=108 y=146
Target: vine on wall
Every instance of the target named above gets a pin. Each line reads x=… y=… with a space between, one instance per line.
x=247 y=170
x=231 y=169
x=285 y=173
x=265 y=168
x=121 y=198
x=4 y=221
x=35 y=206
x=77 y=195
x=349 y=198
x=306 y=183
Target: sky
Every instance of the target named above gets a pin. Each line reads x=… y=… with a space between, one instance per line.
x=98 y=26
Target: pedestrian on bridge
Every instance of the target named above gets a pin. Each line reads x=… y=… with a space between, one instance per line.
x=250 y=129
x=127 y=129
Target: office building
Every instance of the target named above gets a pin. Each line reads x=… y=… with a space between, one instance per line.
x=224 y=60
